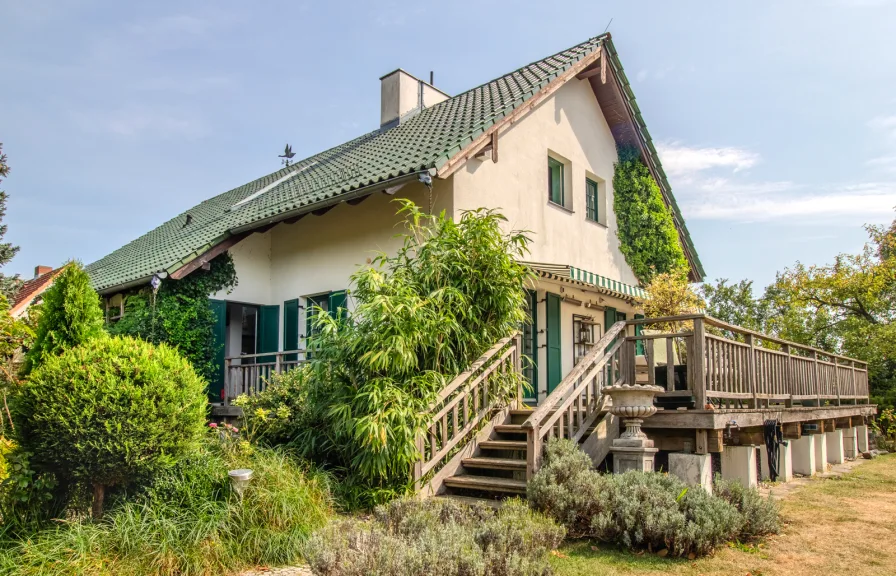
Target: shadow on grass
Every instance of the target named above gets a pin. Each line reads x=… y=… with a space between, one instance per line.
x=585 y=555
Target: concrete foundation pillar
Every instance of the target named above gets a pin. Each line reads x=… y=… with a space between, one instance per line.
x=803 y=454
x=785 y=462
x=739 y=463
x=862 y=439
x=692 y=469
x=834 y=440
x=821 y=453
x=850 y=443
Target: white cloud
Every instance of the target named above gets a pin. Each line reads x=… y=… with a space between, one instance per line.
x=687 y=161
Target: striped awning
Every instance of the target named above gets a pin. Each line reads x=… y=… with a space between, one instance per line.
x=571 y=274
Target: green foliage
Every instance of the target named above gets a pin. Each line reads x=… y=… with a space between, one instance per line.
x=179 y=314
x=647 y=235
x=28 y=498
x=760 y=514
x=15 y=335
x=643 y=510
x=421 y=537
x=735 y=304
x=70 y=316
x=110 y=412
x=189 y=522
x=421 y=317
x=9 y=285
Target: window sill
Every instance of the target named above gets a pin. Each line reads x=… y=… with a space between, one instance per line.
x=560 y=207
x=595 y=222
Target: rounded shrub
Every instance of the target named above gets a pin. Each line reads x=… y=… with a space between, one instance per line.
x=111 y=411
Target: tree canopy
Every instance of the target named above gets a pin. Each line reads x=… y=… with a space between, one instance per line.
x=9 y=285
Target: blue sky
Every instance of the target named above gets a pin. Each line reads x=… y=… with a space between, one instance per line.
x=776 y=121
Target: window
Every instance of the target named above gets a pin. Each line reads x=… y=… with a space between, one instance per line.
x=591 y=200
x=555 y=182
x=583 y=336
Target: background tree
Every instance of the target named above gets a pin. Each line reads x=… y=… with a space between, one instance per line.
x=9 y=285
x=70 y=315
x=670 y=294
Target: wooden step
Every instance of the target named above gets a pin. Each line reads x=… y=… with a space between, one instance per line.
x=494 y=463
x=471 y=500
x=503 y=444
x=510 y=429
x=487 y=484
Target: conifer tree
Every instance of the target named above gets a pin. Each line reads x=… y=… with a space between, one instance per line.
x=70 y=316
x=9 y=285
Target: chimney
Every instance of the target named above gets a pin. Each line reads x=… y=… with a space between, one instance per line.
x=403 y=96
x=41 y=270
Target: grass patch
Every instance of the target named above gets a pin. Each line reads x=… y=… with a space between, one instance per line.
x=188 y=522
x=853 y=511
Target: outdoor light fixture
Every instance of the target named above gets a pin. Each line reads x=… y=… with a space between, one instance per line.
x=239 y=479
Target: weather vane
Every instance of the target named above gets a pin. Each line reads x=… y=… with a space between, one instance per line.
x=287 y=155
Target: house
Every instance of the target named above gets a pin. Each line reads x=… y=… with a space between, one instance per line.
x=538 y=143
x=30 y=292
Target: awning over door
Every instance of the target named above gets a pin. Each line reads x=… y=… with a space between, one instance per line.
x=577 y=276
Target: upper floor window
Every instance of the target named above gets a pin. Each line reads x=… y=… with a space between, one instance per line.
x=591 y=200
x=556 y=192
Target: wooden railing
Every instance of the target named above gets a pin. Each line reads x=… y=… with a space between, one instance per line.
x=576 y=403
x=467 y=402
x=718 y=363
x=250 y=374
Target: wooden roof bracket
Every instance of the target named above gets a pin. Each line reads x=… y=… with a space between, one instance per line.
x=207 y=256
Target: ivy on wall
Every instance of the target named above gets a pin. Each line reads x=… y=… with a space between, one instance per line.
x=647 y=235
x=179 y=314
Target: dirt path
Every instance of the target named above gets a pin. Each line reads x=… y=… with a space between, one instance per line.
x=841 y=523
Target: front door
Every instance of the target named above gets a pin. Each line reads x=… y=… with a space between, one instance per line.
x=216 y=386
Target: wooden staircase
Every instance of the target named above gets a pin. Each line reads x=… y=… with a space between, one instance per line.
x=476 y=449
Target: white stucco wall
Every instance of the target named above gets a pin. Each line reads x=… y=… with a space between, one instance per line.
x=252 y=260
x=570 y=125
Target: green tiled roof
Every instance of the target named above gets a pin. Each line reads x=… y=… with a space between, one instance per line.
x=424 y=142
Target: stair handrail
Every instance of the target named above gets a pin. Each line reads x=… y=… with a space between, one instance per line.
x=570 y=390
x=464 y=404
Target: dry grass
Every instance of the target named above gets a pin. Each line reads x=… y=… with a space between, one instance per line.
x=841 y=525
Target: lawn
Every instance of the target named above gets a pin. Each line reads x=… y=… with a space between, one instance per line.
x=842 y=525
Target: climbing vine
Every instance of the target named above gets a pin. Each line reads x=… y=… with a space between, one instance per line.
x=179 y=313
x=647 y=235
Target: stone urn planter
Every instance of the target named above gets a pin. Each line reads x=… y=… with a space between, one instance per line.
x=632 y=450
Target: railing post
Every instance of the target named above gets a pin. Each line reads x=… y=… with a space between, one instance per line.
x=699 y=364
x=227 y=363
x=788 y=377
x=817 y=382
x=278 y=362
x=518 y=367
x=533 y=451
x=751 y=368
x=837 y=378
x=417 y=466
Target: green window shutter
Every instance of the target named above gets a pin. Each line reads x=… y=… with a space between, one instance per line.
x=591 y=200
x=530 y=345
x=268 y=331
x=291 y=327
x=639 y=329
x=554 y=357
x=555 y=181
x=337 y=304
x=216 y=386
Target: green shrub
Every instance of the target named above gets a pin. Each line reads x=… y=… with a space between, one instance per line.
x=70 y=315
x=110 y=412
x=635 y=509
x=413 y=537
x=186 y=523
x=420 y=317
x=761 y=515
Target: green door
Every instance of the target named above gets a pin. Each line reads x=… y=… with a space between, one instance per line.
x=639 y=329
x=609 y=318
x=268 y=331
x=554 y=358
x=291 y=327
x=216 y=386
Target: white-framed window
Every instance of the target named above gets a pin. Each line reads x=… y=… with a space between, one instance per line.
x=559 y=188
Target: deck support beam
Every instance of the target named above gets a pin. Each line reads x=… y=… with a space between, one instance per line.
x=862 y=438
x=821 y=453
x=834 y=441
x=850 y=443
x=692 y=469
